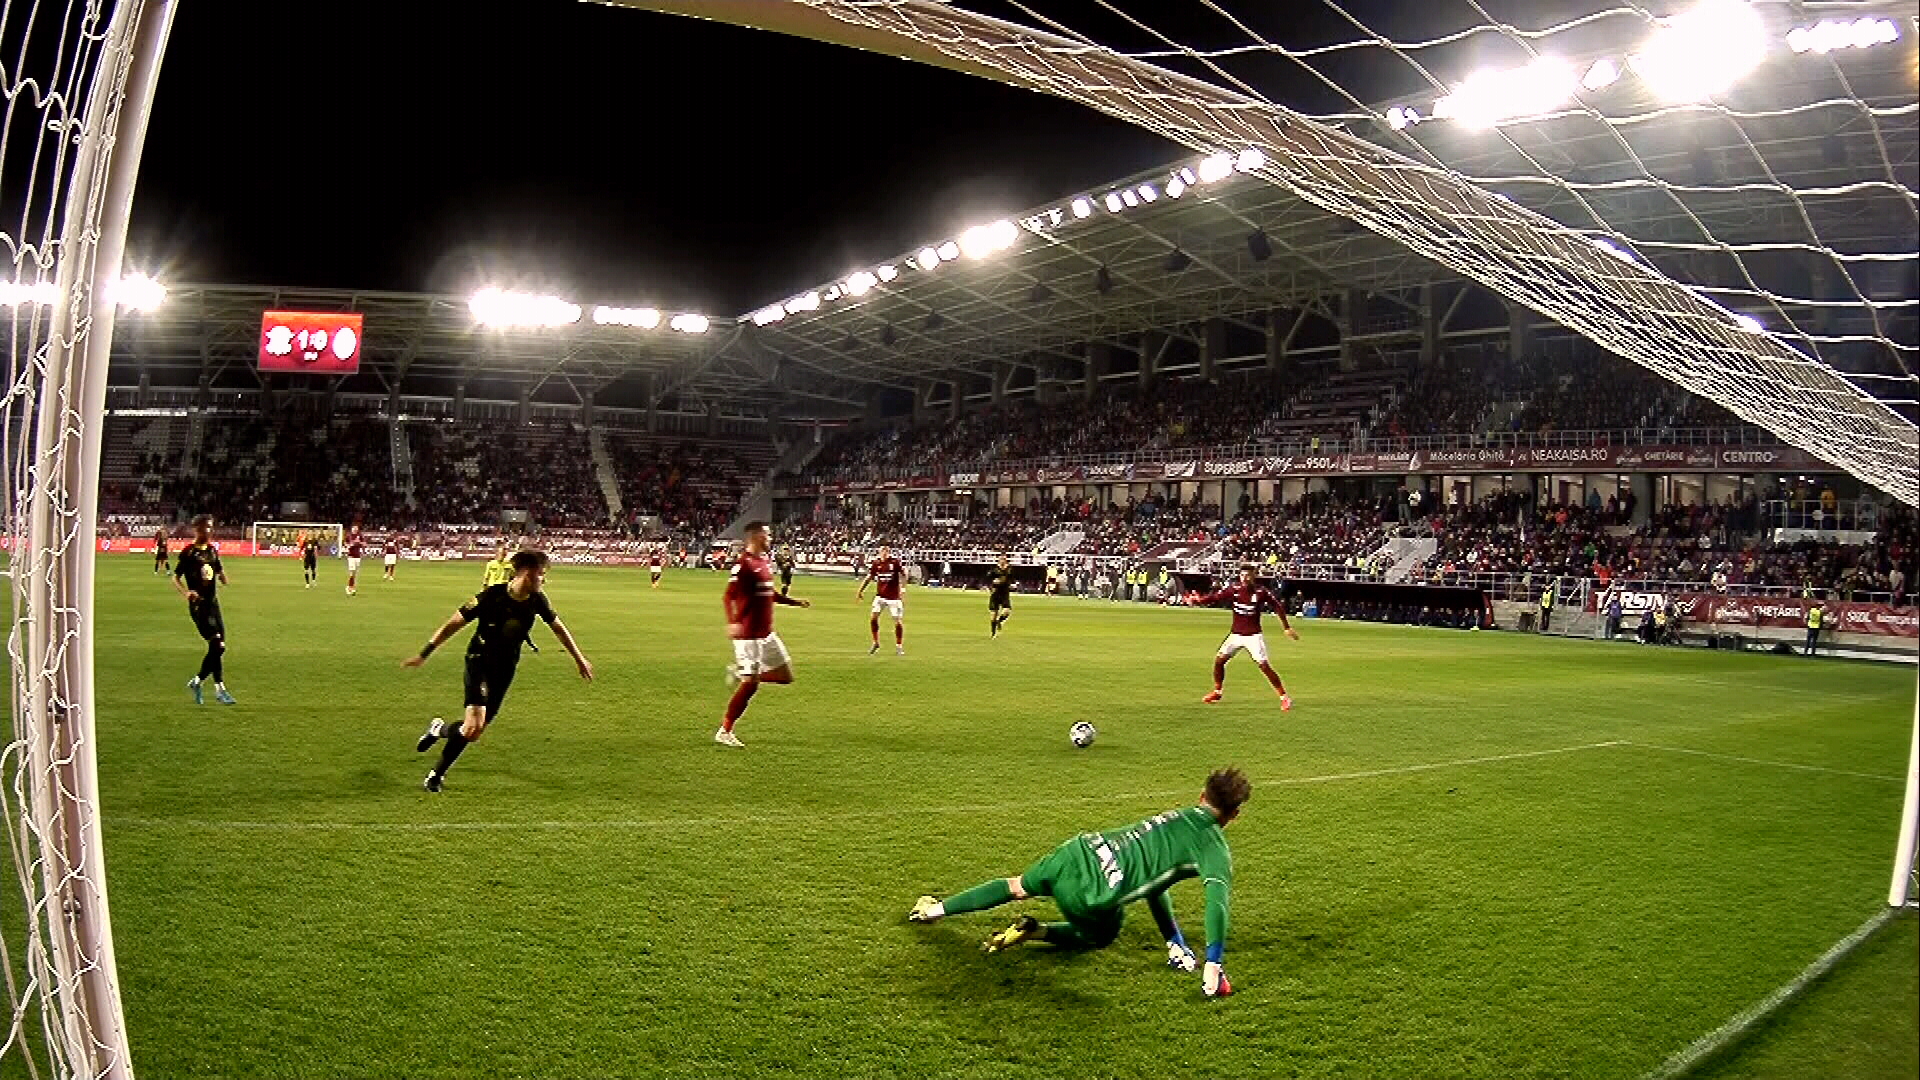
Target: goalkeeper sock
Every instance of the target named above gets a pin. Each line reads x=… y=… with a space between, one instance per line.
x=979 y=898
x=450 y=753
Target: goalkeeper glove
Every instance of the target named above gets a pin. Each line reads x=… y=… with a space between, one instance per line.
x=1181 y=958
x=1213 y=980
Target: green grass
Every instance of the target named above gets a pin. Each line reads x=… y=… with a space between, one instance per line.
x=602 y=891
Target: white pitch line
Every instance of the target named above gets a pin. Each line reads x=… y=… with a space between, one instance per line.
x=845 y=815
x=1762 y=761
x=1712 y=1042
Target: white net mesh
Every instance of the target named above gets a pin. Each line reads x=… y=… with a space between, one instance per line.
x=1755 y=245
x=70 y=81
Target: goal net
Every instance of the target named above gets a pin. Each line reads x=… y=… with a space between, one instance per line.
x=77 y=78
x=284 y=537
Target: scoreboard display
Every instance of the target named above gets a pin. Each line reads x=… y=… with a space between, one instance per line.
x=315 y=342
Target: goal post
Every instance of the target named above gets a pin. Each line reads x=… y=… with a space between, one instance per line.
x=1902 y=891
x=75 y=154
x=283 y=537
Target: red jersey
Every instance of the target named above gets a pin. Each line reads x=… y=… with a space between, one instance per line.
x=1248 y=601
x=885 y=575
x=749 y=597
x=353 y=548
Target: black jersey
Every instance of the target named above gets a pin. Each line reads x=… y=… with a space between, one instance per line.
x=199 y=566
x=1001 y=582
x=784 y=561
x=310 y=551
x=504 y=622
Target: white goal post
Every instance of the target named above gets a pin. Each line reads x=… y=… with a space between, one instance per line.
x=283 y=537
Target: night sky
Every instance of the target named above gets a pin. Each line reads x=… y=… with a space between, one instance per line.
x=612 y=155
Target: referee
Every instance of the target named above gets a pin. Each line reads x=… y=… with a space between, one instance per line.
x=197 y=578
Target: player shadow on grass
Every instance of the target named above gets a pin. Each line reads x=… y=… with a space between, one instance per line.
x=954 y=969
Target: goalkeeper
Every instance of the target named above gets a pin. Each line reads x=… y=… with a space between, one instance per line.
x=1093 y=876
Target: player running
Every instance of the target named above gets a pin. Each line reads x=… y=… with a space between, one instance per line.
x=759 y=656
x=354 y=546
x=656 y=563
x=885 y=574
x=390 y=561
x=1249 y=598
x=194 y=578
x=310 y=558
x=784 y=563
x=1000 y=599
x=505 y=613
x=1094 y=876
x=160 y=551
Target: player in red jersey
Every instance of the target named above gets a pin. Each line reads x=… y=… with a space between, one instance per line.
x=390 y=557
x=353 y=564
x=758 y=654
x=1249 y=598
x=885 y=574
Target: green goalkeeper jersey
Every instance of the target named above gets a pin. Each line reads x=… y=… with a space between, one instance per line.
x=1140 y=861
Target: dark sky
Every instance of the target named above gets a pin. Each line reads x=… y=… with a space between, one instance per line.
x=612 y=155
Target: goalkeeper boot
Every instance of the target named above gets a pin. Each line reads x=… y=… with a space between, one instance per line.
x=924 y=910
x=436 y=731
x=1181 y=958
x=1025 y=928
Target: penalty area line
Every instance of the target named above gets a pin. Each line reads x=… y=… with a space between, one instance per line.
x=1719 y=1038
x=1763 y=761
x=809 y=819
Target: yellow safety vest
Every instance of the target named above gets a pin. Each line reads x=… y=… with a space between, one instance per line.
x=498 y=572
x=1813 y=618
x=1546 y=600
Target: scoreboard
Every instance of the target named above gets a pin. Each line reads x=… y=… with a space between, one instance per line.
x=315 y=342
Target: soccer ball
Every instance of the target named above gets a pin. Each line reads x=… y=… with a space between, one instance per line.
x=1082 y=734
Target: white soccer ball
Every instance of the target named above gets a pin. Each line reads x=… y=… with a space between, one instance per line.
x=1082 y=734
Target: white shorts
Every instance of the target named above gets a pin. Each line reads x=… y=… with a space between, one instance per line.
x=391 y=560
x=1255 y=644
x=895 y=608
x=654 y=569
x=353 y=565
x=756 y=656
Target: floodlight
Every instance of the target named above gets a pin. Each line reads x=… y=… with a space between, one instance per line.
x=1147 y=193
x=948 y=251
x=976 y=243
x=772 y=313
x=1216 y=167
x=1831 y=34
x=1176 y=187
x=138 y=292
x=1249 y=160
x=645 y=318
x=1748 y=323
x=889 y=272
x=1186 y=177
x=1082 y=207
x=1602 y=74
x=1612 y=249
x=1129 y=198
x=1701 y=52
x=859 y=283
x=1488 y=98
x=1114 y=205
x=803 y=302
x=1397 y=118
x=493 y=306
x=1003 y=234
x=927 y=258
x=833 y=293
x=12 y=295
x=689 y=324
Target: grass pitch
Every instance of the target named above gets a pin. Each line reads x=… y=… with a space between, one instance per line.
x=1467 y=855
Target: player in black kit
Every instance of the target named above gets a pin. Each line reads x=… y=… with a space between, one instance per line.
x=784 y=563
x=1000 y=600
x=195 y=577
x=505 y=614
x=310 y=558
